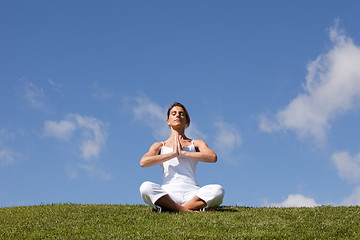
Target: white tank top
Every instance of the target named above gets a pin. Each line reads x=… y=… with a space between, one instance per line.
x=179 y=169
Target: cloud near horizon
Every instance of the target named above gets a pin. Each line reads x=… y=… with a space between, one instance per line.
x=332 y=88
x=295 y=200
x=353 y=199
x=348 y=167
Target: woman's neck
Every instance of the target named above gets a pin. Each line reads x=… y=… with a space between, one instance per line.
x=180 y=132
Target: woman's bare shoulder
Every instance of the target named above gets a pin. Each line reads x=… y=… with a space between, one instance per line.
x=198 y=142
x=154 y=149
x=156 y=146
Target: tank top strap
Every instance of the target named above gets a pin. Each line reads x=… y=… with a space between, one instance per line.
x=163 y=144
x=192 y=142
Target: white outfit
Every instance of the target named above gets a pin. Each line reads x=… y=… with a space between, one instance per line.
x=179 y=182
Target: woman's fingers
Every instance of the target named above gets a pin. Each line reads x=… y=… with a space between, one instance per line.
x=176 y=143
x=179 y=147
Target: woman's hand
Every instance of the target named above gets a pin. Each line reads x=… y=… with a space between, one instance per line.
x=177 y=148
x=202 y=154
x=153 y=156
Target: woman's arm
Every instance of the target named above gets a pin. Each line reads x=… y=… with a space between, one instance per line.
x=205 y=154
x=152 y=157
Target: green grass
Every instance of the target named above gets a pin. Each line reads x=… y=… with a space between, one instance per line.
x=76 y=221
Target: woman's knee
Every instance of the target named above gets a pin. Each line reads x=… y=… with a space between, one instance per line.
x=215 y=190
x=212 y=194
x=146 y=188
x=218 y=191
x=217 y=195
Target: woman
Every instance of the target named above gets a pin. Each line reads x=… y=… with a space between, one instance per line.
x=178 y=156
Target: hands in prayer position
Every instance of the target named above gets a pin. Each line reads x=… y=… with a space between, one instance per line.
x=177 y=148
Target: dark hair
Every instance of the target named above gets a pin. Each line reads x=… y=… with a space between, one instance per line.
x=176 y=104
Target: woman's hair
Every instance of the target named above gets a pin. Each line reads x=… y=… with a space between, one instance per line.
x=176 y=104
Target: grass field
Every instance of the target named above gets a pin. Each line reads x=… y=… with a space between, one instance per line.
x=76 y=221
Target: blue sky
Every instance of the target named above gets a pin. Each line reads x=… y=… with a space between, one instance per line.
x=272 y=86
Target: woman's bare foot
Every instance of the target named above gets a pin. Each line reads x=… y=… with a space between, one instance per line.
x=166 y=202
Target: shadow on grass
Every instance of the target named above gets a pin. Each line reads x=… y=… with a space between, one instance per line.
x=228 y=209
x=218 y=209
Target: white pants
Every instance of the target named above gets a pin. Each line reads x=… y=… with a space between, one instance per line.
x=212 y=194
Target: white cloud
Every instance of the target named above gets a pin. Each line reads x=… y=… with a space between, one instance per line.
x=90 y=148
x=101 y=93
x=90 y=168
x=61 y=130
x=152 y=115
x=7 y=157
x=295 y=200
x=266 y=125
x=332 y=88
x=349 y=169
x=95 y=132
x=92 y=133
x=348 y=166
x=94 y=171
x=227 y=138
x=193 y=132
x=56 y=86
x=71 y=171
x=33 y=94
x=5 y=135
x=353 y=199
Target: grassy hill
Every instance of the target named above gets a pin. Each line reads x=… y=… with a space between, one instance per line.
x=77 y=221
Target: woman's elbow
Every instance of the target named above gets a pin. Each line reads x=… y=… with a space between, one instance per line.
x=214 y=158
x=143 y=163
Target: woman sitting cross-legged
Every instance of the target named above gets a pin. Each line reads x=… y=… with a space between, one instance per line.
x=178 y=156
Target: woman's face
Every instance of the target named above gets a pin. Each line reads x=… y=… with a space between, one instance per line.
x=177 y=117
